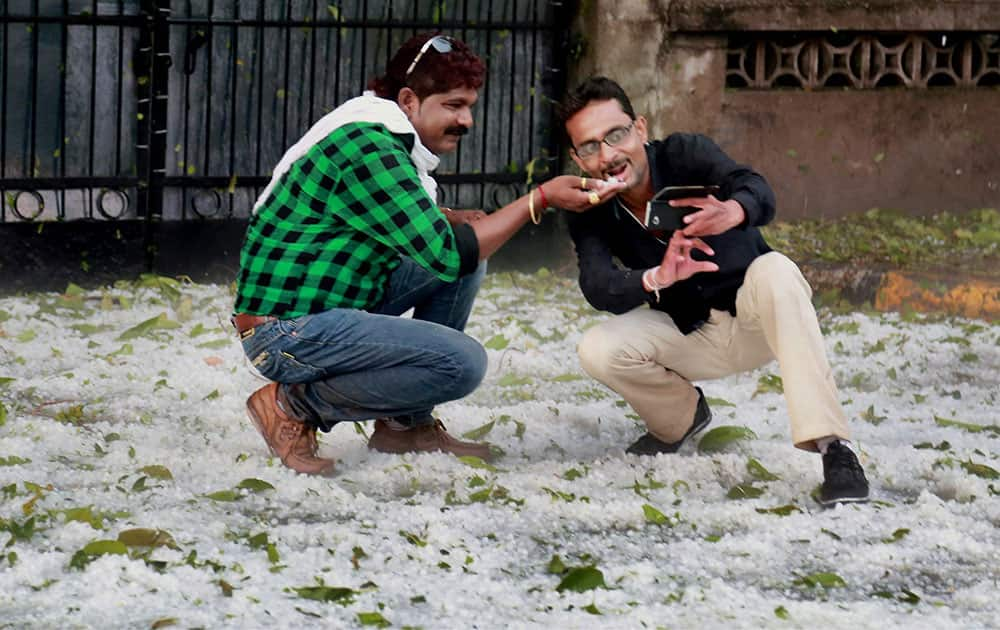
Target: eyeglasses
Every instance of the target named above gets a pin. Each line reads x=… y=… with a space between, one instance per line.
x=441 y=43
x=612 y=138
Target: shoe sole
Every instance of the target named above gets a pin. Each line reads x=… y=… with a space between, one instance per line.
x=379 y=449
x=687 y=438
x=834 y=502
x=699 y=428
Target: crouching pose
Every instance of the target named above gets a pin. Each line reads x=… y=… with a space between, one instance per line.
x=699 y=302
x=346 y=237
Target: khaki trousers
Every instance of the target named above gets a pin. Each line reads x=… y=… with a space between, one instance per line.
x=644 y=357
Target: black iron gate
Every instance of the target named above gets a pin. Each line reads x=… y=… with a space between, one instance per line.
x=141 y=114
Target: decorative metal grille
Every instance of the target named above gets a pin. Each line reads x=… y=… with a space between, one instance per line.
x=863 y=60
x=178 y=109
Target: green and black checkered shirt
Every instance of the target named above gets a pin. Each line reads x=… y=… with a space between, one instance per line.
x=334 y=227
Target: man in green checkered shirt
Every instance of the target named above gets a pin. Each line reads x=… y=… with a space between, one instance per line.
x=347 y=237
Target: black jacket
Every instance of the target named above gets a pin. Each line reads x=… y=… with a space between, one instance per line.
x=610 y=232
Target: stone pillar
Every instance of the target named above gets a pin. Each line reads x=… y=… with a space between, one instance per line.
x=674 y=79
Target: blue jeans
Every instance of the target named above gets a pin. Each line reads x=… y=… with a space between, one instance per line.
x=348 y=364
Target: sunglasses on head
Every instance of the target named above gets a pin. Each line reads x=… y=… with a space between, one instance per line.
x=441 y=43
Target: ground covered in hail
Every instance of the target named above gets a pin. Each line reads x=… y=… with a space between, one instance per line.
x=134 y=492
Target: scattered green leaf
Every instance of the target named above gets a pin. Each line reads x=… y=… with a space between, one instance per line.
x=824 y=579
x=721 y=438
x=334 y=594
x=744 y=491
x=581 y=579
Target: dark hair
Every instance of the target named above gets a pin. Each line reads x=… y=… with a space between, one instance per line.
x=593 y=89
x=434 y=73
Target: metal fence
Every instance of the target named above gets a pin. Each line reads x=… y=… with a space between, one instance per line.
x=178 y=109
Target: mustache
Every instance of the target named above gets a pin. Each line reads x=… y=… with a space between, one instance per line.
x=457 y=130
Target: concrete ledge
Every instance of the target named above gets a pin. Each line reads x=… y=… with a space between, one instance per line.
x=944 y=291
x=47 y=256
x=844 y=15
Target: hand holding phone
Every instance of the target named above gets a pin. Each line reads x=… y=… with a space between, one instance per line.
x=660 y=215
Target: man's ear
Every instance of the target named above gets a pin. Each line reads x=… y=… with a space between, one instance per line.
x=640 y=128
x=408 y=101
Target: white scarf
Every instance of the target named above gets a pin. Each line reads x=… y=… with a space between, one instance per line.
x=365 y=108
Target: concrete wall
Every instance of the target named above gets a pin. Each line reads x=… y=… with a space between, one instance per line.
x=827 y=152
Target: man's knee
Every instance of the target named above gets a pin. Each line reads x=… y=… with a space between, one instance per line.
x=597 y=351
x=474 y=362
x=779 y=274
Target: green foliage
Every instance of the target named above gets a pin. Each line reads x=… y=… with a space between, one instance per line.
x=157 y=472
x=477 y=462
x=93 y=550
x=84 y=515
x=869 y=415
x=254 y=485
x=510 y=380
x=143 y=537
x=944 y=445
x=251 y=485
x=965 y=426
x=148 y=327
x=333 y=594
x=556 y=566
x=781 y=510
x=758 y=472
x=905 y=596
x=481 y=432
x=980 y=470
x=970 y=241
x=655 y=516
x=744 y=491
x=718 y=402
x=824 y=580
x=18 y=531
x=373 y=619
x=722 y=438
x=897 y=535
x=498 y=342
x=769 y=383
x=223 y=495
x=581 y=579
x=412 y=538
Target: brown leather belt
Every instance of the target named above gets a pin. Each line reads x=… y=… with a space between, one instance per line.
x=244 y=322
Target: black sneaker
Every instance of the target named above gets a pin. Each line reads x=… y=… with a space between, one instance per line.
x=843 y=479
x=649 y=444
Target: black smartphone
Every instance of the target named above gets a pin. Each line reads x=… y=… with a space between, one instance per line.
x=660 y=215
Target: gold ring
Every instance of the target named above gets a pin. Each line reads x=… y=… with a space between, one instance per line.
x=594 y=198
x=583 y=183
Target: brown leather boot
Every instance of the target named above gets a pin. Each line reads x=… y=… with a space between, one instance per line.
x=424 y=439
x=292 y=440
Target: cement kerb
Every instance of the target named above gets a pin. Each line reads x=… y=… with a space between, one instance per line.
x=940 y=291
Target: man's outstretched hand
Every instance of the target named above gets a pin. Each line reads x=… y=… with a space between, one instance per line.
x=677 y=263
x=713 y=217
x=579 y=194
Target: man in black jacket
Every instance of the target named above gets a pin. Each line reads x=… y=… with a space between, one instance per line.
x=720 y=301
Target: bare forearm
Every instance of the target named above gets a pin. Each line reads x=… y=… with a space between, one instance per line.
x=567 y=192
x=495 y=229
